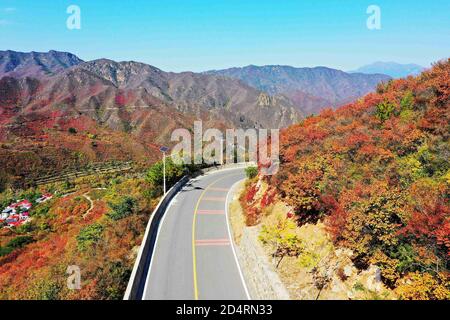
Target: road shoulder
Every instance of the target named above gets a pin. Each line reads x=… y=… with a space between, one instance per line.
x=262 y=281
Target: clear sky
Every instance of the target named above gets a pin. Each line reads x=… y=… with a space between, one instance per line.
x=198 y=35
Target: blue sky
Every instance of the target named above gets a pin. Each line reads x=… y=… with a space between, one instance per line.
x=198 y=35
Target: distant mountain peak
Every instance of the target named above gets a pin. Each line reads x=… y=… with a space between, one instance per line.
x=393 y=69
x=35 y=64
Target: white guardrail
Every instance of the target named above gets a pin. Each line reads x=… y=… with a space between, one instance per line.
x=138 y=276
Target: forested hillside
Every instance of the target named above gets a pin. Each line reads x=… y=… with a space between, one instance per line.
x=376 y=173
x=94 y=223
x=96 y=230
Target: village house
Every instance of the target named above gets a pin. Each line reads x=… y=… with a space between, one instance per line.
x=16 y=214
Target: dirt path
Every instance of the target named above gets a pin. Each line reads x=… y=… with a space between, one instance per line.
x=86 y=195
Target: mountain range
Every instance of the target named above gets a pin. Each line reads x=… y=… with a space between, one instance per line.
x=126 y=110
x=309 y=89
x=35 y=64
x=121 y=94
x=64 y=80
x=393 y=69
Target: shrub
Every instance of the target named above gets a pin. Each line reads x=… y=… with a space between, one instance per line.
x=44 y=226
x=127 y=127
x=4 y=251
x=423 y=286
x=123 y=209
x=41 y=210
x=384 y=111
x=89 y=236
x=4 y=179
x=377 y=170
x=247 y=198
x=30 y=194
x=113 y=280
x=407 y=102
x=374 y=223
x=281 y=236
x=92 y=136
x=6 y=199
x=50 y=291
x=19 y=242
x=24 y=228
x=155 y=175
x=14 y=244
x=251 y=172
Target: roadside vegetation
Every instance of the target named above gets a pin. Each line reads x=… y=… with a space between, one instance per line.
x=375 y=174
x=103 y=243
x=95 y=222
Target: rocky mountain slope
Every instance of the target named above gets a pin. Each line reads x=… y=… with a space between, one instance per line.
x=192 y=93
x=310 y=89
x=103 y=88
x=35 y=64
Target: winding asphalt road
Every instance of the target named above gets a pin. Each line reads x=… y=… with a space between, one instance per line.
x=194 y=256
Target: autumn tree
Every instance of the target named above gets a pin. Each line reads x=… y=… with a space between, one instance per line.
x=281 y=236
x=376 y=171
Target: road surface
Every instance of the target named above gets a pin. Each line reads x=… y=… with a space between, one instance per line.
x=194 y=256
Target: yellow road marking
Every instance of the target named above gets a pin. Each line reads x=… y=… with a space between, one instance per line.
x=194 y=258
